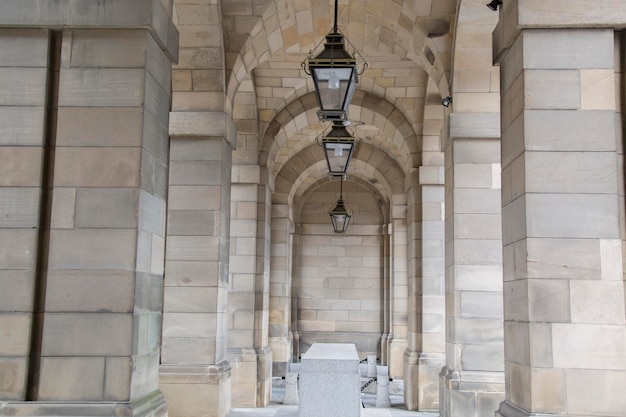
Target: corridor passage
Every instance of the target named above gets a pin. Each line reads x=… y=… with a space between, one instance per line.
x=277 y=409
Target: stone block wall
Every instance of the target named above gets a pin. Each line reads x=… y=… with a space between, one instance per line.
x=24 y=73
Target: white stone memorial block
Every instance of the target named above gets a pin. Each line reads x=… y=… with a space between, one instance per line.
x=330 y=382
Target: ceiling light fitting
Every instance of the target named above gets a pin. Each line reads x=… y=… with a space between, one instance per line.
x=340 y=215
x=338 y=147
x=493 y=4
x=335 y=75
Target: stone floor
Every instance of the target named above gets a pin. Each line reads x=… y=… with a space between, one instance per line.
x=277 y=409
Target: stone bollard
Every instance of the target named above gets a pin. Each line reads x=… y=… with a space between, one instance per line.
x=371 y=366
x=291 y=389
x=382 y=388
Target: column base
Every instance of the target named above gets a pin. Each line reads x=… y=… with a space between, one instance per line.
x=429 y=366
x=397 y=347
x=152 y=405
x=264 y=376
x=243 y=366
x=280 y=369
x=282 y=354
x=508 y=409
x=251 y=376
x=421 y=383
x=196 y=390
x=470 y=393
x=411 y=377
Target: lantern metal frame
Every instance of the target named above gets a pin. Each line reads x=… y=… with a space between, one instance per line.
x=493 y=5
x=336 y=67
x=338 y=146
x=340 y=215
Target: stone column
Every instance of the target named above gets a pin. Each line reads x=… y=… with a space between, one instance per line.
x=25 y=71
x=195 y=375
x=386 y=288
x=294 y=248
x=472 y=381
x=84 y=145
x=249 y=289
x=280 y=338
x=262 y=297
x=96 y=337
x=565 y=344
x=414 y=249
x=424 y=357
x=428 y=358
x=397 y=340
x=101 y=329
x=241 y=300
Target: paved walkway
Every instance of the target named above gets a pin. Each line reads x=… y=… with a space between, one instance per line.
x=277 y=409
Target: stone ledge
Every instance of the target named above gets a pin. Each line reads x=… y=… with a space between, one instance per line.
x=91 y=14
x=203 y=124
x=191 y=374
x=554 y=14
x=153 y=405
x=508 y=409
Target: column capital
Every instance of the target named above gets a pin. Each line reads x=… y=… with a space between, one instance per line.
x=203 y=124
x=94 y=14
x=516 y=15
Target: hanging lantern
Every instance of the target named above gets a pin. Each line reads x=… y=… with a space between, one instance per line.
x=340 y=216
x=338 y=148
x=335 y=76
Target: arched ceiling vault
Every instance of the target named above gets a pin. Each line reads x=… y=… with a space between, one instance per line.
x=376 y=121
x=371 y=165
x=407 y=44
x=303 y=195
x=389 y=32
x=400 y=83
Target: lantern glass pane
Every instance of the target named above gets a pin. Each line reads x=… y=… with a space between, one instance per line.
x=340 y=222
x=336 y=94
x=338 y=155
x=324 y=74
